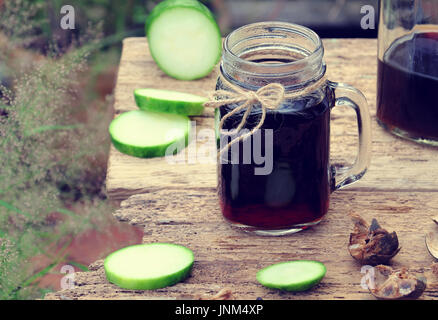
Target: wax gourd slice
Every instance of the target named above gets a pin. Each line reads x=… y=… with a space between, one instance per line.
x=149 y=266
x=298 y=275
x=147 y=134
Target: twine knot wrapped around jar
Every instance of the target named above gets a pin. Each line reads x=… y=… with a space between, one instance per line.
x=270 y=97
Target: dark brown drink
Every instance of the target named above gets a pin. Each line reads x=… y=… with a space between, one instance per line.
x=297 y=190
x=408 y=86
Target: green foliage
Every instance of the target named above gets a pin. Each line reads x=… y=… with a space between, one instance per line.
x=50 y=137
x=21 y=21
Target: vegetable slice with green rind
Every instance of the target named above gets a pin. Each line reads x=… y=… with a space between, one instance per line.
x=149 y=134
x=184 y=38
x=298 y=275
x=169 y=101
x=149 y=266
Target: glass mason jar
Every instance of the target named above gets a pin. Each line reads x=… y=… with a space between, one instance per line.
x=278 y=180
x=407 y=83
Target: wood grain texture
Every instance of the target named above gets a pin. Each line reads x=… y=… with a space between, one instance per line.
x=396 y=164
x=178 y=202
x=225 y=257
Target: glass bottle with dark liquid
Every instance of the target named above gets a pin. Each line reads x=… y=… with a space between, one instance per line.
x=292 y=192
x=407 y=101
x=407 y=82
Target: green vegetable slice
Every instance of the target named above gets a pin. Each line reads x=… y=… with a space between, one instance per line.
x=149 y=266
x=169 y=101
x=149 y=134
x=299 y=275
x=184 y=38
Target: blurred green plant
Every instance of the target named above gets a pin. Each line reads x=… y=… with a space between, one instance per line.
x=21 y=21
x=50 y=143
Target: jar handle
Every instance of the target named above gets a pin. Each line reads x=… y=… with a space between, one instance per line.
x=349 y=96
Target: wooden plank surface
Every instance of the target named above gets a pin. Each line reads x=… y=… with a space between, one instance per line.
x=228 y=258
x=178 y=203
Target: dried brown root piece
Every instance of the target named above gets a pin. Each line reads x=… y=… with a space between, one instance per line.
x=372 y=244
x=435 y=219
x=224 y=294
x=395 y=284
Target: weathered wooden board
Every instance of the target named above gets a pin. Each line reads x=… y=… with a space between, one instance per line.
x=225 y=257
x=178 y=203
x=396 y=164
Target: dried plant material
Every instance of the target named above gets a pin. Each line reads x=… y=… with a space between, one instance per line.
x=224 y=294
x=396 y=284
x=372 y=245
x=432 y=243
x=435 y=219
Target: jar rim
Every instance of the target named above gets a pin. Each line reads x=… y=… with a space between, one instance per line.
x=315 y=55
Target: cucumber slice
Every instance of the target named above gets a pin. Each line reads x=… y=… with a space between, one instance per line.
x=149 y=266
x=147 y=134
x=184 y=39
x=169 y=101
x=299 y=275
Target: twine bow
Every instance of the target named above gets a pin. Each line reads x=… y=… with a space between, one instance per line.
x=270 y=97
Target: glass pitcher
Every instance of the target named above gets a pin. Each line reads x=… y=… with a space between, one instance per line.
x=407 y=84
